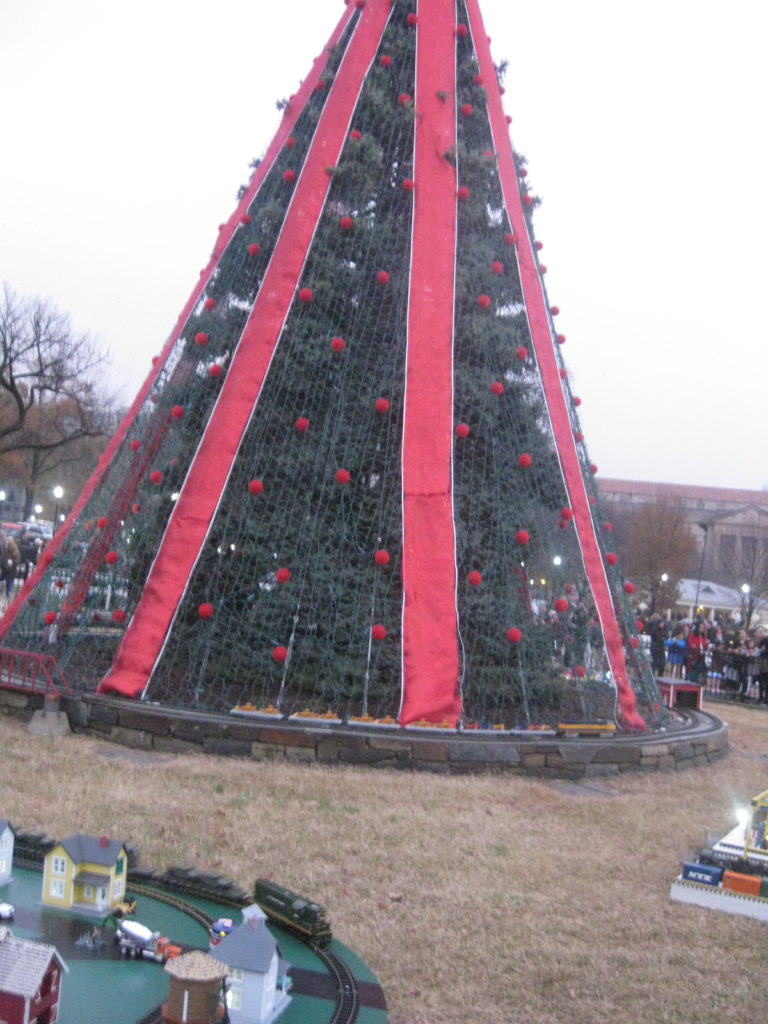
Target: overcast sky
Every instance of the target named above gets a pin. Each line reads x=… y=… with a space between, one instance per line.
x=127 y=129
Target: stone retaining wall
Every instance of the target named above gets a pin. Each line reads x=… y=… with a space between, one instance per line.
x=151 y=727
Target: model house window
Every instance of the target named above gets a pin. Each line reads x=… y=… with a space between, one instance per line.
x=57 y=889
x=118 y=889
x=234 y=1000
x=119 y=865
x=88 y=892
x=59 y=866
x=235 y=974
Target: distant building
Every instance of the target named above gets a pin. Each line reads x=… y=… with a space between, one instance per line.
x=7 y=839
x=85 y=874
x=30 y=980
x=730 y=526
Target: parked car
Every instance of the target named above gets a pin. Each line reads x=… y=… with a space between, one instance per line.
x=7 y=910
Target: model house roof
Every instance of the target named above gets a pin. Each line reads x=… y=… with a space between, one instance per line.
x=4 y=824
x=23 y=964
x=195 y=966
x=93 y=849
x=249 y=947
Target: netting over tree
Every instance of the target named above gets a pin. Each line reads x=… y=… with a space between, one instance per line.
x=355 y=478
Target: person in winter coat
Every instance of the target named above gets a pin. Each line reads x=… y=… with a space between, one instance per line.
x=695 y=662
x=9 y=561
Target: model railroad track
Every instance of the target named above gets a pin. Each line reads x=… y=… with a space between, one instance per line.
x=176 y=902
x=347 y=995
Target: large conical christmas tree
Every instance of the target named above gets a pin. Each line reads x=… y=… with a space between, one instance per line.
x=354 y=479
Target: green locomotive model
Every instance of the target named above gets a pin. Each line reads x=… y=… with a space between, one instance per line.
x=293 y=911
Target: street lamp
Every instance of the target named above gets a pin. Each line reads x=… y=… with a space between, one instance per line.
x=58 y=493
x=745 y=590
x=3 y=496
x=37 y=510
x=705 y=528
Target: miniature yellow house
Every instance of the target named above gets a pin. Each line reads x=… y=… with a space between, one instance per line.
x=85 y=874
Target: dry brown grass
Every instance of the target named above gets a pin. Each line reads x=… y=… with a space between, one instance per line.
x=521 y=900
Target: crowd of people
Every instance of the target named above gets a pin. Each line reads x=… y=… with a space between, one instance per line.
x=703 y=652
x=19 y=552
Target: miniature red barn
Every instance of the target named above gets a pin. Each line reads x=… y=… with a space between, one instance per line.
x=354 y=478
x=30 y=980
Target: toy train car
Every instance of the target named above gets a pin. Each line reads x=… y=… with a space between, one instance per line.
x=597 y=727
x=293 y=911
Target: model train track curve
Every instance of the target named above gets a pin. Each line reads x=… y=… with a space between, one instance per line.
x=348 y=997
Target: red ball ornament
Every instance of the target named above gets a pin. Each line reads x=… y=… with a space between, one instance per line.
x=305 y=294
x=514 y=635
x=101 y=522
x=177 y=412
x=111 y=557
x=508 y=119
x=320 y=86
x=554 y=310
x=135 y=445
x=578 y=436
x=462 y=31
x=381 y=557
x=538 y=245
x=290 y=142
x=560 y=339
x=302 y=424
x=209 y=304
x=524 y=460
x=467 y=109
x=474 y=578
x=343 y=476
x=254 y=249
x=136 y=508
x=382 y=277
x=483 y=301
x=563 y=373
x=543 y=268
x=510 y=238
x=214 y=371
x=561 y=605
x=634 y=642
x=629 y=588
x=156 y=476
x=283 y=575
x=345 y=223
x=382 y=405
x=409 y=184
x=566 y=513
x=245 y=219
x=337 y=344
x=576 y=400
x=521 y=352
x=611 y=558
x=201 y=339
x=355 y=135
x=279 y=654
x=50 y=618
x=496 y=388
x=522 y=537
x=639 y=625
x=255 y=487
x=568 y=588
x=593 y=468
x=462 y=193
x=385 y=61
x=378 y=632
x=477 y=79
x=462 y=430
x=579 y=671
x=289 y=176
x=118 y=615
x=412 y=20
x=527 y=200
x=404 y=99
x=497 y=268
x=608 y=527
